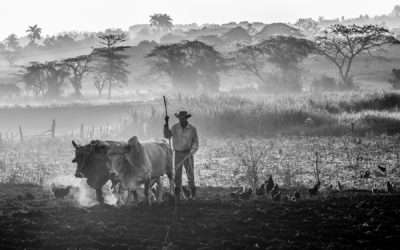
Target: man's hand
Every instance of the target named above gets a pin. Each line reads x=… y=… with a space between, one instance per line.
x=167 y=131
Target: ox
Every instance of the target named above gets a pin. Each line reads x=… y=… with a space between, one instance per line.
x=135 y=163
x=91 y=160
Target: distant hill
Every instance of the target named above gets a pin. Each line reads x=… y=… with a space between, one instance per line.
x=237 y=34
x=275 y=29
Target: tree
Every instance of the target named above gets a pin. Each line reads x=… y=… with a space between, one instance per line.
x=394 y=80
x=161 y=21
x=100 y=81
x=308 y=24
x=190 y=64
x=12 y=43
x=55 y=75
x=11 y=50
x=111 y=61
x=285 y=52
x=109 y=40
x=78 y=67
x=45 y=79
x=60 y=41
x=252 y=60
x=34 y=33
x=10 y=56
x=33 y=76
x=396 y=11
x=341 y=44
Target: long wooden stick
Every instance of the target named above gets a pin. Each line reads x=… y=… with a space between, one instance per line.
x=169 y=142
x=165 y=106
x=166 y=115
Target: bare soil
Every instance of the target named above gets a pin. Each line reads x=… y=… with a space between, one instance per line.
x=30 y=218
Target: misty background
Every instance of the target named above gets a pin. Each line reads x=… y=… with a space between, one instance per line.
x=97 y=58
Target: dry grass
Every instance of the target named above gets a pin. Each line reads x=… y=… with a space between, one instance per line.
x=296 y=126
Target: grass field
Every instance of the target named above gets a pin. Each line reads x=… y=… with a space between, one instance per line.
x=297 y=125
x=373 y=112
x=343 y=135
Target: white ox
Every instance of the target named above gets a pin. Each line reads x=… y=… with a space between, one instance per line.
x=135 y=163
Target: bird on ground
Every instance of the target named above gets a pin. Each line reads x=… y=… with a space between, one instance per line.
x=315 y=189
x=60 y=192
x=382 y=169
x=374 y=189
x=389 y=187
x=276 y=193
x=340 y=187
x=276 y=196
x=275 y=190
x=269 y=184
x=261 y=190
x=290 y=197
x=366 y=174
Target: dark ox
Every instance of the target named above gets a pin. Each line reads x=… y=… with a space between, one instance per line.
x=91 y=160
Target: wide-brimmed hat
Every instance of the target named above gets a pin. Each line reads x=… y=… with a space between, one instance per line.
x=183 y=113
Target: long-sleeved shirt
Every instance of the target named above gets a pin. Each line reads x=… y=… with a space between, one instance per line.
x=184 y=139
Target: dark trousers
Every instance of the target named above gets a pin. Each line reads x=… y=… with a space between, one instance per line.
x=188 y=164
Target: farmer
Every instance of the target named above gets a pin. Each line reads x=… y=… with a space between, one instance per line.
x=185 y=144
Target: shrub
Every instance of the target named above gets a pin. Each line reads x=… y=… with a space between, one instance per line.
x=394 y=79
x=324 y=83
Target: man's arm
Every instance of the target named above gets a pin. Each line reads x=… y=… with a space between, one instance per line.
x=195 y=142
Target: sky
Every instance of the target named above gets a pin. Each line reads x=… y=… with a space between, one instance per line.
x=55 y=16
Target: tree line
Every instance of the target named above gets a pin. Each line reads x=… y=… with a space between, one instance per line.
x=195 y=65
x=11 y=48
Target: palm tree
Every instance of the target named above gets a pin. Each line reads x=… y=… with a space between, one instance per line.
x=34 y=33
x=161 y=21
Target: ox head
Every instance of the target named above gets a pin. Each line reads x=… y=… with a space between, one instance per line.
x=83 y=157
x=116 y=159
x=125 y=154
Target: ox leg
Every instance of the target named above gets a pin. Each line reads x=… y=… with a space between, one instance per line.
x=123 y=197
x=129 y=198
x=171 y=182
x=147 y=191
x=99 y=196
x=158 y=193
x=135 y=195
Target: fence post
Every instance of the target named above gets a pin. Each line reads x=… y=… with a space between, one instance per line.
x=53 y=129
x=352 y=128
x=92 y=132
x=82 y=133
x=21 y=135
x=145 y=129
